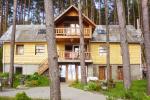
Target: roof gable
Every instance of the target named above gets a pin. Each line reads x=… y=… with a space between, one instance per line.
x=74 y=12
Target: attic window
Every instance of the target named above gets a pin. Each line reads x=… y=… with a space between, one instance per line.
x=100 y=31
x=42 y=31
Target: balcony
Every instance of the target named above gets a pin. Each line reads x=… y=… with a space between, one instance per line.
x=69 y=55
x=72 y=32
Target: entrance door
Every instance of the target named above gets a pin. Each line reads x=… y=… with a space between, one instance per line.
x=76 y=50
x=120 y=72
x=102 y=72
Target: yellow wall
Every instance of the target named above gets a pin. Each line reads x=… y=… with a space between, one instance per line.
x=115 y=53
x=29 y=56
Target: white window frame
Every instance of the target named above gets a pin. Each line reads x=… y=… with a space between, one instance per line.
x=39 y=49
x=102 y=50
x=18 y=51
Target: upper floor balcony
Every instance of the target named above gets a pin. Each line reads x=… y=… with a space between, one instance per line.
x=71 y=33
x=72 y=55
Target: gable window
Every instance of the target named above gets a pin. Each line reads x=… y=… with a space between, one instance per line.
x=102 y=50
x=39 y=49
x=19 y=49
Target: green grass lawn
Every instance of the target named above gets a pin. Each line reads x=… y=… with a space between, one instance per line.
x=137 y=91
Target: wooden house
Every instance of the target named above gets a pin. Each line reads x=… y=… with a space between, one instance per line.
x=31 y=48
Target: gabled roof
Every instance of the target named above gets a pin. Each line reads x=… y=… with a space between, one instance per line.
x=133 y=34
x=75 y=8
x=29 y=33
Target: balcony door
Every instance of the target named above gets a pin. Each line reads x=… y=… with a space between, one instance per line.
x=76 y=51
x=72 y=51
x=75 y=29
x=76 y=48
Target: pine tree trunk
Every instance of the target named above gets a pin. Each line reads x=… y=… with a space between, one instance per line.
x=29 y=3
x=107 y=41
x=52 y=52
x=124 y=45
x=100 y=22
x=87 y=11
x=6 y=15
x=1 y=17
x=146 y=32
x=24 y=11
x=12 y=45
x=92 y=10
x=82 y=51
x=128 y=8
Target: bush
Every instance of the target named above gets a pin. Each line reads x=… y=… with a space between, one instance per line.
x=92 y=86
x=4 y=75
x=31 y=83
x=22 y=96
x=36 y=80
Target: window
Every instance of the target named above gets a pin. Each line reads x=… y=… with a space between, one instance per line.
x=19 y=49
x=42 y=31
x=39 y=49
x=102 y=50
x=75 y=29
x=18 y=70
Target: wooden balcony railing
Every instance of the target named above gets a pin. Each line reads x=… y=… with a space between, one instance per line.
x=72 y=31
x=67 y=55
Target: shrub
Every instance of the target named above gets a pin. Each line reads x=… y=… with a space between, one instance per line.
x=4 y=75
x=22 y=96
x=36 y=80
x=92 y=86
x=32 y=83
